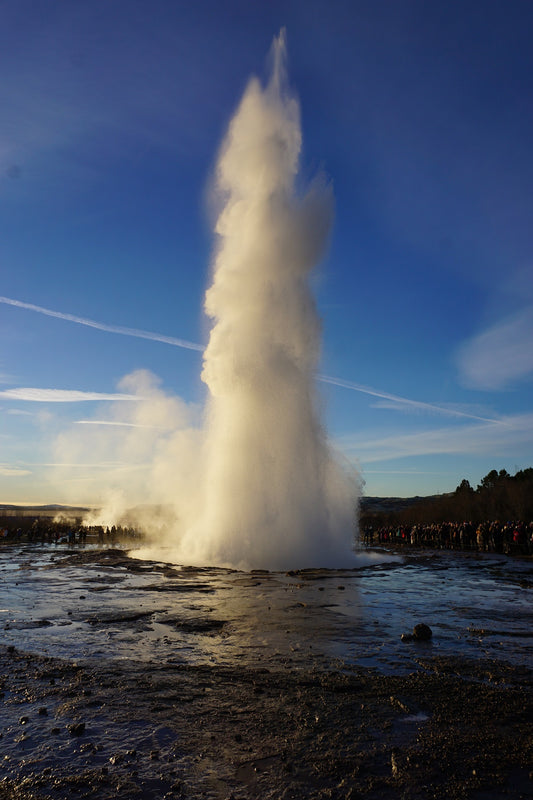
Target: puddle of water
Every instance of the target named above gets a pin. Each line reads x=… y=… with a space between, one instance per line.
x=475 y=605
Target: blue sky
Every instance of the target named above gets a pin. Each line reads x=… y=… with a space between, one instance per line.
x=419 y=113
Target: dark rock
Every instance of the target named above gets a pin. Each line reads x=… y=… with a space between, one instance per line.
x=43 y=712
x=422 y=632
x=76 y=729
x=407 y=637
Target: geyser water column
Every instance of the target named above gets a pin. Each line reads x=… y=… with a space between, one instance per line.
x=274 y=496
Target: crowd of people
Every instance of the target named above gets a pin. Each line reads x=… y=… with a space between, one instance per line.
x=46 y=531
x=512 y=538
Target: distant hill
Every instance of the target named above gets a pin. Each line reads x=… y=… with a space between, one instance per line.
x=368 y=505
x=50 y=510
x=388 y=505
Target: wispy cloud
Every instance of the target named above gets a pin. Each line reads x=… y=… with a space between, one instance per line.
x=119 y=424
x=500 y=355
x=395 y=401
x=102 y=326
x=7 y=471
x=406 y=472
x=85 y=465
x=60 y=395
x=513 y=435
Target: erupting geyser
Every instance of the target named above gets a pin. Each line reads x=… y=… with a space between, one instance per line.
x=274 y=495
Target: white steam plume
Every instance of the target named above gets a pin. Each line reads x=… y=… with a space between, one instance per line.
x=273 y=496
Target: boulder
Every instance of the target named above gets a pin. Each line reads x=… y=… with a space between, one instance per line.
x=422 y=632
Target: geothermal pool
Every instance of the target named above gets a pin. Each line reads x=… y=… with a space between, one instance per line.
x=90 y=603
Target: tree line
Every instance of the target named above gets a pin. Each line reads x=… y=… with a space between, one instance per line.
x=498 y=496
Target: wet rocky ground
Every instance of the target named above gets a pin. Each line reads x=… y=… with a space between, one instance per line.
x=449 y=730
x=296 y=726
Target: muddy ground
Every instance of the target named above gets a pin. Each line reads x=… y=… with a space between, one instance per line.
x=104 y=728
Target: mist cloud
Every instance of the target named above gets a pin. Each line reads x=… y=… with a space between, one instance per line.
x=130 y=448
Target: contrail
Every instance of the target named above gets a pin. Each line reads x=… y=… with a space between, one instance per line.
x=175 y=342
x=102 y=326
x=356 y=387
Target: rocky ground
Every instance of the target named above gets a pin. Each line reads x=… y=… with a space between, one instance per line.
x=451 y=729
